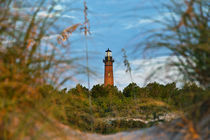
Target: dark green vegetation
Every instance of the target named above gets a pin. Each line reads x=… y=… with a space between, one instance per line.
x=114 y=111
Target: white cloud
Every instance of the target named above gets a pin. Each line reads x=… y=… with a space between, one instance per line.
x=58 y=7
x=148 y=20
x=68 y=16
x=143 y=68
x=46 y=14
x=51 y=15
x=50 y=37
x=144 y=21
x=137 y=23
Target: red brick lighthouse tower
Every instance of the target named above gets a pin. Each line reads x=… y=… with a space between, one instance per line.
x=108 y=73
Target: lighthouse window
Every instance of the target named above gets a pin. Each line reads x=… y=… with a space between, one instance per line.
x=109 y=74
x=108 y=53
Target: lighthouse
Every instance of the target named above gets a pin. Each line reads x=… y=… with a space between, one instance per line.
x=108 y=68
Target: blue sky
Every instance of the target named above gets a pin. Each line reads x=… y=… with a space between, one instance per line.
x=114 y=24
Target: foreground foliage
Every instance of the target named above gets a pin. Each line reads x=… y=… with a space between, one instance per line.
x=185 y=33
x=32 y=68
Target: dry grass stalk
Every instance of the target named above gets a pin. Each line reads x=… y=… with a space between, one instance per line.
x=67 y=32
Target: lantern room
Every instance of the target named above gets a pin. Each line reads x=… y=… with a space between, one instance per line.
x=108 y=70
x=108 y=53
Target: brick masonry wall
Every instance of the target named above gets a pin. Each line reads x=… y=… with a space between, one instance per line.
x=108 y=74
